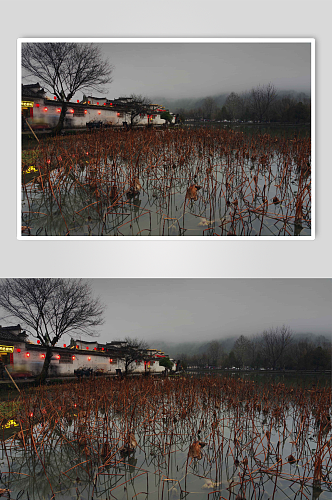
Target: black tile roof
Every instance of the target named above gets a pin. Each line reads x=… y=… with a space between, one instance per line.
x=6 y=334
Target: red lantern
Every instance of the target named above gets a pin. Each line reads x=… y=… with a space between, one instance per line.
x=54 y=97
x=88 y=348
x=38 y=341
x=57 y=356
x=85 y=111
x=28 y=355
x=45 y=109
x=42 y=356
x=37 y=105
x=64 y=345
x=73 y=357
x=18 y=350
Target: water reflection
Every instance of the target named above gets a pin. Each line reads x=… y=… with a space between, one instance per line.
x=172 y=438
x=245 y=185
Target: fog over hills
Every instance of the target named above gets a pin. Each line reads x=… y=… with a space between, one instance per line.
x=175 y=105
x=175 y=350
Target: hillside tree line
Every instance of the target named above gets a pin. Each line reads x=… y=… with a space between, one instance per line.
x=260 y=104
x=276 y=349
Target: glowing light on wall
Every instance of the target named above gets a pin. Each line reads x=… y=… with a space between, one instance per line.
x=28 y=355
x=27 y=104
x=6 y=348
x=73 y=357
x=99 y=112
x=89 y=358
x=42 y=356
x=57 y=356
x=85 y=111
x=45 y=109
x=71 y=111
x=58 y=110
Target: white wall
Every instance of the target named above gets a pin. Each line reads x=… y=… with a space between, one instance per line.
x=83 y=359
x=50 y=116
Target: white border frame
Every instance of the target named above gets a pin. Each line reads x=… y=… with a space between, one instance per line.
x=168 y=40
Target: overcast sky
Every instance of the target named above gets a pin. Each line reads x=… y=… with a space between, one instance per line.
x=182 y=70
x=193 y=70
x=184 y=310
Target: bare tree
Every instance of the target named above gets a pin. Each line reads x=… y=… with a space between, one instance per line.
x=261 y=99
x=135 y=350
x=275 y=343
x=242 y=348
x=215 y=353
x=234 y=105
x=65 y=68
x=139 y=105
x=209 y=107
x=49 y=308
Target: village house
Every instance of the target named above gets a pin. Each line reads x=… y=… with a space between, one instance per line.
x=42 y=112
x=24 y=358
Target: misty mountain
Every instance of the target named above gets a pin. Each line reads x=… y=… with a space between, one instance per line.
x=175 y=350
x=176 y=105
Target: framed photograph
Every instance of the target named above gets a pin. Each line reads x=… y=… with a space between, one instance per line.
x=166 y=138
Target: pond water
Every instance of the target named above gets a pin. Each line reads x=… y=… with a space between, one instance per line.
x=196 y=438
x=191 y=182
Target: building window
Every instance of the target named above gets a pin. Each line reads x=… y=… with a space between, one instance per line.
x=66 y=357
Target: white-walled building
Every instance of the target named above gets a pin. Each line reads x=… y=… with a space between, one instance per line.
x=42 y=112
x=23 y=357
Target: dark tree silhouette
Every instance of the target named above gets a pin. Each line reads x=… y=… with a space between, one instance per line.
x=261 y=99
x=139 y=105
x=49 y=308
x=65 y=68
x=167 y=364
x=135 y=350
x=275 y=343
